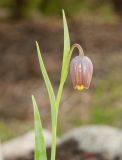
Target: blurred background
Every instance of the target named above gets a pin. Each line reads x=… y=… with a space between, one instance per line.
x=96 y=25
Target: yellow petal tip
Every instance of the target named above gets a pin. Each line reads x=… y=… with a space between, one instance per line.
x=79 y=87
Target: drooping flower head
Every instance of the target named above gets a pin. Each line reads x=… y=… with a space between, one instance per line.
x=81 y=69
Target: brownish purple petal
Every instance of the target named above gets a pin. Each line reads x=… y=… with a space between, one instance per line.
x=81 y=70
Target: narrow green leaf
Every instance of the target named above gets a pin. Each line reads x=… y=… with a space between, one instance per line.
x=66 y=45
x=47 y=82
x=40 y=148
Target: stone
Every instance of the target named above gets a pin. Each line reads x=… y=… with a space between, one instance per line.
x=103 y=140
x=23 y=146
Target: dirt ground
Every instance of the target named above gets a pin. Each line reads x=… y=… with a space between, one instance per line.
x=20 y=76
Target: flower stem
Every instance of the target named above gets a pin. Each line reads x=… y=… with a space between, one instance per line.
x=53 y=148
x=79 y=48
x=57 y=102
x=54 y=127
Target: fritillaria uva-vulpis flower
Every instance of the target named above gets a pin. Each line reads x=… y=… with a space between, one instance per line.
x=81 y=69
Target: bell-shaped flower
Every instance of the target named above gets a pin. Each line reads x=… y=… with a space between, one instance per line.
x=81 y=69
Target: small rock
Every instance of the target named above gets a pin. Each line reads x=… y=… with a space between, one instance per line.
x=23 y=146
x=103 y=140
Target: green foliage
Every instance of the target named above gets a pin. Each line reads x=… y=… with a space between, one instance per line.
x=10 y=129
x=104 y=109
x=6 y=3
x=40 y=149
x=5 y=133
x=66 y=49
x=53 y=7
x=107 y=116
x=47 y=83
x=50 y=7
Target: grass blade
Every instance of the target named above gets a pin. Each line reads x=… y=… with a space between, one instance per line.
x=48 y=83
x=40 y=148
x=66 y=43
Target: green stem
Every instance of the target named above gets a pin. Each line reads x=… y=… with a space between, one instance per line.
x=54 y=127
x=53 y=148
x=58 y=99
